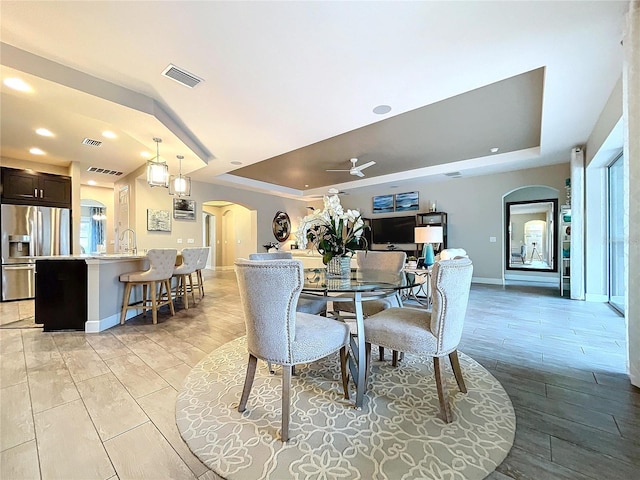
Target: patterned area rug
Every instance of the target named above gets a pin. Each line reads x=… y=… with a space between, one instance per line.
x=397 y=434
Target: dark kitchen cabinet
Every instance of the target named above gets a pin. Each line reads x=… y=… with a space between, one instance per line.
x=23 y=187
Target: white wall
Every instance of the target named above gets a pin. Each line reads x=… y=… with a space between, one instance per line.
x=474 y=209
x=263 y=206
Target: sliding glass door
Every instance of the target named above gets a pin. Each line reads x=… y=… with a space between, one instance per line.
x=616 y=235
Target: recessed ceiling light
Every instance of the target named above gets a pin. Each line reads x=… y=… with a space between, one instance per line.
x=145 y=154
x=494 y=149
x=44 y=132
x=17 y=84
x=235 y=162
x=108 y=134
x=381 y=109
x=306 y=186
x=36 y=151
x=92 y=182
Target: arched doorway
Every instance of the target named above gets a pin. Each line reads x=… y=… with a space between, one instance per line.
x=232 y=232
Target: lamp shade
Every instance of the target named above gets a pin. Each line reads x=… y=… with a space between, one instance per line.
x=157 y=174
x=428 y=234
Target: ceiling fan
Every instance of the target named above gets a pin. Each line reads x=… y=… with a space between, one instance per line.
x=355 y=170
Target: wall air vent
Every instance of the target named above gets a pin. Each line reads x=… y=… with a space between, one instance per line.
x=92 y=143
x=181 y=76
x=106 y=171
x=453 y=174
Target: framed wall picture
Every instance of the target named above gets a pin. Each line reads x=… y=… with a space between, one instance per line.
x=407 y=201
x=184 y=209
x=158 y=220
x=383 y=204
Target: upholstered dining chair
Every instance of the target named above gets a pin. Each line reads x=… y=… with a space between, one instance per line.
x=433 y=333
x=202 y=263
x=161 y=265
x=385 y=261
x=278 y=334
x=307 y=302
x=183 y=274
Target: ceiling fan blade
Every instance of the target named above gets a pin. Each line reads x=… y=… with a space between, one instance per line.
x=337 y=170
x=359 y=173
x=365 y=165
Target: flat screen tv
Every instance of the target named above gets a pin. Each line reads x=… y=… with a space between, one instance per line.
x=393 y=229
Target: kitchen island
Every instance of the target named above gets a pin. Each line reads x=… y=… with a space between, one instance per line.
x=82 y=292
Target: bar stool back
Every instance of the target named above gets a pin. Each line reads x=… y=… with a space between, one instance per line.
x=183 y=273
x=161 y=264
x=202 y=263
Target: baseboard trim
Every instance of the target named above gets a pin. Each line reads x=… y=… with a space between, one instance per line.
x=486 y=281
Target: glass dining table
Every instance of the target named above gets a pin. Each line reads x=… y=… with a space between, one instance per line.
x=360 y=286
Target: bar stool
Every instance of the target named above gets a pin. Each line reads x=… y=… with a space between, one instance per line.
x=202 y=263
x=183 y=273
x=161 y=265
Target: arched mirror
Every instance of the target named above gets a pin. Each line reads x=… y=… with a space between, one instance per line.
x=531 y=241
x=93 y=218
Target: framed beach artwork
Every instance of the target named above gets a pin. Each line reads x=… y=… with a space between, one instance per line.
x=383 y=204
x=184 y=209
x=158 y=220
x=407 y=201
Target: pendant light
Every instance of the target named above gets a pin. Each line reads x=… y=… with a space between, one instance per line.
x=180 y=186
x=157 y=170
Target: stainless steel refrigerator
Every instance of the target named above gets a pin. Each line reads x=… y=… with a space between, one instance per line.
x=29 y=232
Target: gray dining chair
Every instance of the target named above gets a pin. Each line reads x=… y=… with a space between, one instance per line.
x=307 y=303
x=387 y=262
x=433 y=333
x=278 y=334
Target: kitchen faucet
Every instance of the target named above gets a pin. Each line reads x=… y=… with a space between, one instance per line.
x=134 y=250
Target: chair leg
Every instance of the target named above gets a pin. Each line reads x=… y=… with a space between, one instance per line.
x=345 y=371
x=193 y=296
x=125 y=303
x=381 y=353
x=394 y=358
x=167 y=286
x=248 y=382
x=200 y=282
x=144 y=299
x=286 y=401
x=445 y=410
x=455 y=365
x=154 y=302
x=367 y=356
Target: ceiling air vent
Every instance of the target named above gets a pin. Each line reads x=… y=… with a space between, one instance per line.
x=104 y=170
x=181 y=76
x=453 y=174
x=92 y=143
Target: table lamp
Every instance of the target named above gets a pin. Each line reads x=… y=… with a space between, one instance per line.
x=427 y=236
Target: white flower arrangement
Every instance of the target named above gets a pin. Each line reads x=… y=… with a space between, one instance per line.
x=333 y=231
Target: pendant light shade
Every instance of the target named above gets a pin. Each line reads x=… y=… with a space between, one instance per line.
x=157 y=170
x=180 y=186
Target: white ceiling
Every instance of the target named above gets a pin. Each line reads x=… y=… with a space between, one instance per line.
x=280 y=76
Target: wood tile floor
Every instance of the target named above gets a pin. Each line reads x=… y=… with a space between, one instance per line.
x=101 y=406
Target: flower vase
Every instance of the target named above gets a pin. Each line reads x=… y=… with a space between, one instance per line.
x=339 y=267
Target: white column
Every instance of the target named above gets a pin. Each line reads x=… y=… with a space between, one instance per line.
x=631 y=116
x=577 y=224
